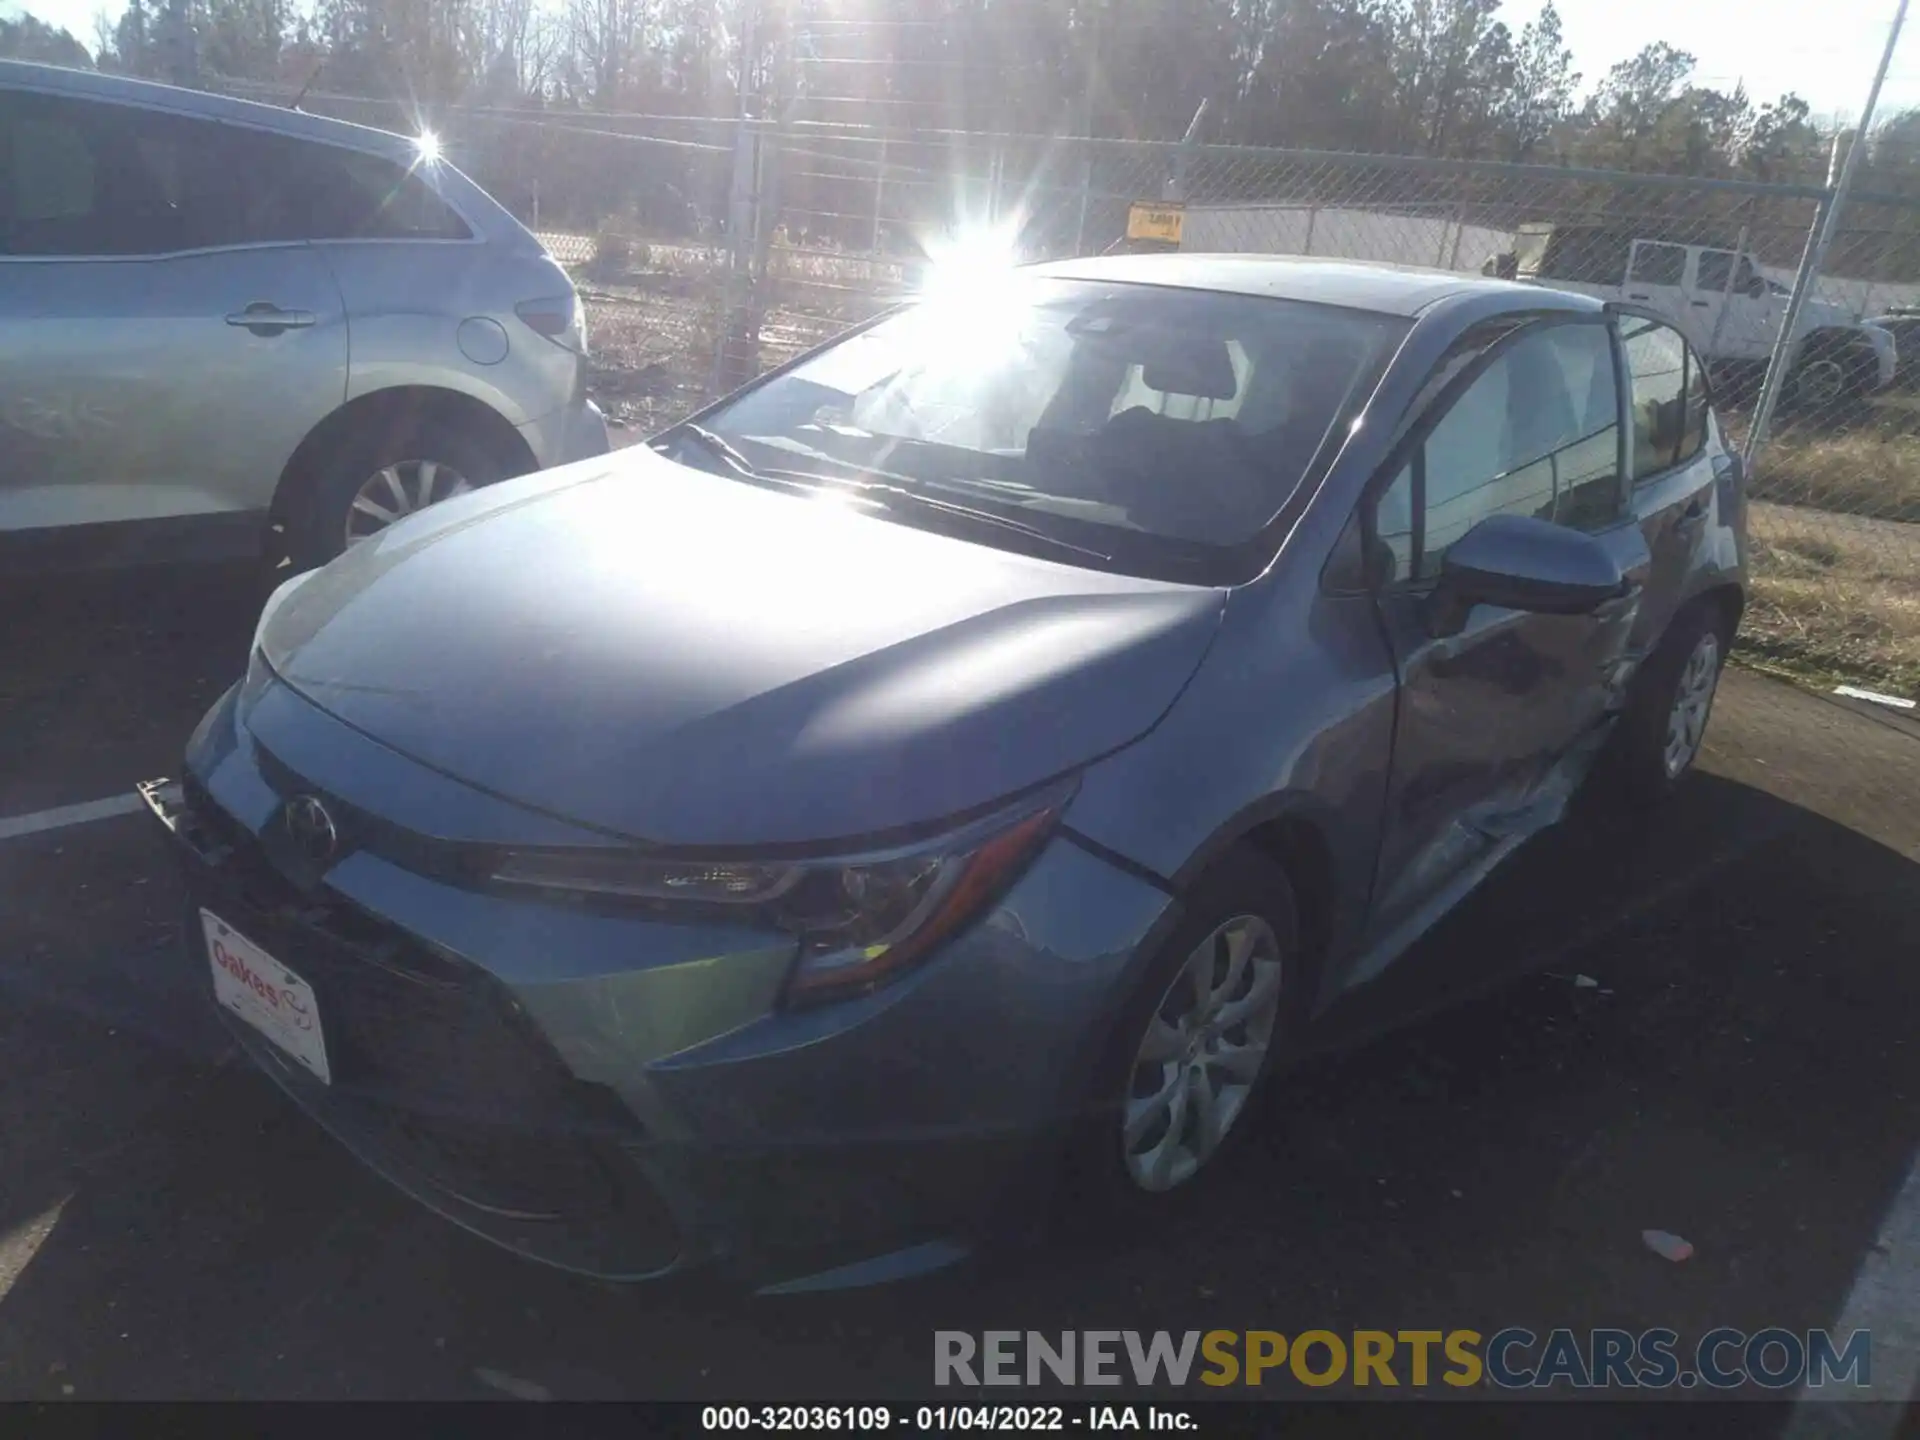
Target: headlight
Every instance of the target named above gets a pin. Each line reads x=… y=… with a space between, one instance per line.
x=861 y=920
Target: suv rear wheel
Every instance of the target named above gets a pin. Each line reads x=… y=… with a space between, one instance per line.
x=380 y=476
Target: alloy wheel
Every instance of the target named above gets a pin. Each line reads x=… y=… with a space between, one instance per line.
x=396 y=491
x=1205 y=1047
x=1692 y=703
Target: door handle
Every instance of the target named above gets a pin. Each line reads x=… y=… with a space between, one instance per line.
x=265 y=318
x=1632 y=296
x=1699 y=304
x=1694 y=515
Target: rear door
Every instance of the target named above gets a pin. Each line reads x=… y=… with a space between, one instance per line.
x=1669 y=462
x=1657 y=280
x=1486 y=716
x=165 y=342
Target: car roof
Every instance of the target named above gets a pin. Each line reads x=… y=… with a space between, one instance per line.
x=1356 y=284
x=94 y=85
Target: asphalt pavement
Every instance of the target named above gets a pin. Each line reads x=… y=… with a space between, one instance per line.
x=1705 y=1026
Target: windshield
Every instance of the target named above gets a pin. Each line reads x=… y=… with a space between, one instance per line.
x=1121 y=419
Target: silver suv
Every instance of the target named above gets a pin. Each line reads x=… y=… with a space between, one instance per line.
x=230 y=327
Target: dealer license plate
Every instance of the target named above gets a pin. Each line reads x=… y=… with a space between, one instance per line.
x=266 y=994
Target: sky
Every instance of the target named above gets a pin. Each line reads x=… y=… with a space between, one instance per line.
x=1825 y=50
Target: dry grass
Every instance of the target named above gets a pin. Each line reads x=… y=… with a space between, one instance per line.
x=1864 y=472
x=651 y=354
x=1836 y=596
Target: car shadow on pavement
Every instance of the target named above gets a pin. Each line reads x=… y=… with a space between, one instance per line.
x=1710 y=1033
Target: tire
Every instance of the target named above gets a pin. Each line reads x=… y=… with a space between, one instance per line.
x=424 y=457
x=1135 y=1161
x=1654 y=744
x=1832 y=379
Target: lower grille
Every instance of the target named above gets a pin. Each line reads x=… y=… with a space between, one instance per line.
x=440 y=1081
x=402 y=1022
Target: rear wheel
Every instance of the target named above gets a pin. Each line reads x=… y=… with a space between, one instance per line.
x=378 y=477
x=1658 y=738
x=1832 y=379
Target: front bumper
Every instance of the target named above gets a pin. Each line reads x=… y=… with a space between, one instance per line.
x=619 y=1096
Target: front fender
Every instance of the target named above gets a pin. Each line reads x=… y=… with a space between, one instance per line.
x=1266 y=730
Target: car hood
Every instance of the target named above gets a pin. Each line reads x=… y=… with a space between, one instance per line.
x=690 y=660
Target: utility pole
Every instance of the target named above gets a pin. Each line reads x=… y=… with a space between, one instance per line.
x=736 y=352
x=1816 y=252
x=1086 y=139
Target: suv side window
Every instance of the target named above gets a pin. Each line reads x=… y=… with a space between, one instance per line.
x=1669 y=414
x=1534 y=433
x=1655 y=264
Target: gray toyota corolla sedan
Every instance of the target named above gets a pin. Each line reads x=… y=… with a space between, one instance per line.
x=969 y=757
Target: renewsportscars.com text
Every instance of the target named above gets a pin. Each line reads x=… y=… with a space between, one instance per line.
x=1511 y=1359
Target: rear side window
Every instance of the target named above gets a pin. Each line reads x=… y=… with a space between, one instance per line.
x=1658 y=264
x=336 y=194
x=1669 y=397
x=1694 y=435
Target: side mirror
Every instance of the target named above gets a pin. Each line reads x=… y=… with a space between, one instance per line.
x=1523 y=563
x=1756 y=287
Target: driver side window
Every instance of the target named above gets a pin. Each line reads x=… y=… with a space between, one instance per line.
x=1534 y=433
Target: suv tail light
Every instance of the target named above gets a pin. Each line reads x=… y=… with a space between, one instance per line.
x=561 y=318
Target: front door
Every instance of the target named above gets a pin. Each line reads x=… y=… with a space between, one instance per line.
x=1494 y=720
x=164 y=345
x=1732 y=307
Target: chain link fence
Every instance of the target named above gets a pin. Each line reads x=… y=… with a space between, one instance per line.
x=710 y=250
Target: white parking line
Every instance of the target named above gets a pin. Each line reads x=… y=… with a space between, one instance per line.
x=12 y=827
x=1884 y=1301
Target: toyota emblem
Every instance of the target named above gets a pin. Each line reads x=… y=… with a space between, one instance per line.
x=311 y=828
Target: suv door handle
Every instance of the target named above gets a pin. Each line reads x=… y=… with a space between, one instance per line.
x=265 y=318
x=1632 y=296
x=1695 y=514
x=1700 y=304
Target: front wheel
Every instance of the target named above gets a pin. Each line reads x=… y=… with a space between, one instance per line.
x=1222 y=1000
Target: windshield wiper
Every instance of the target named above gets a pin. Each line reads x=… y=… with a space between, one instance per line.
x=882 y=491
x=713 y=444
x=878 y=490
